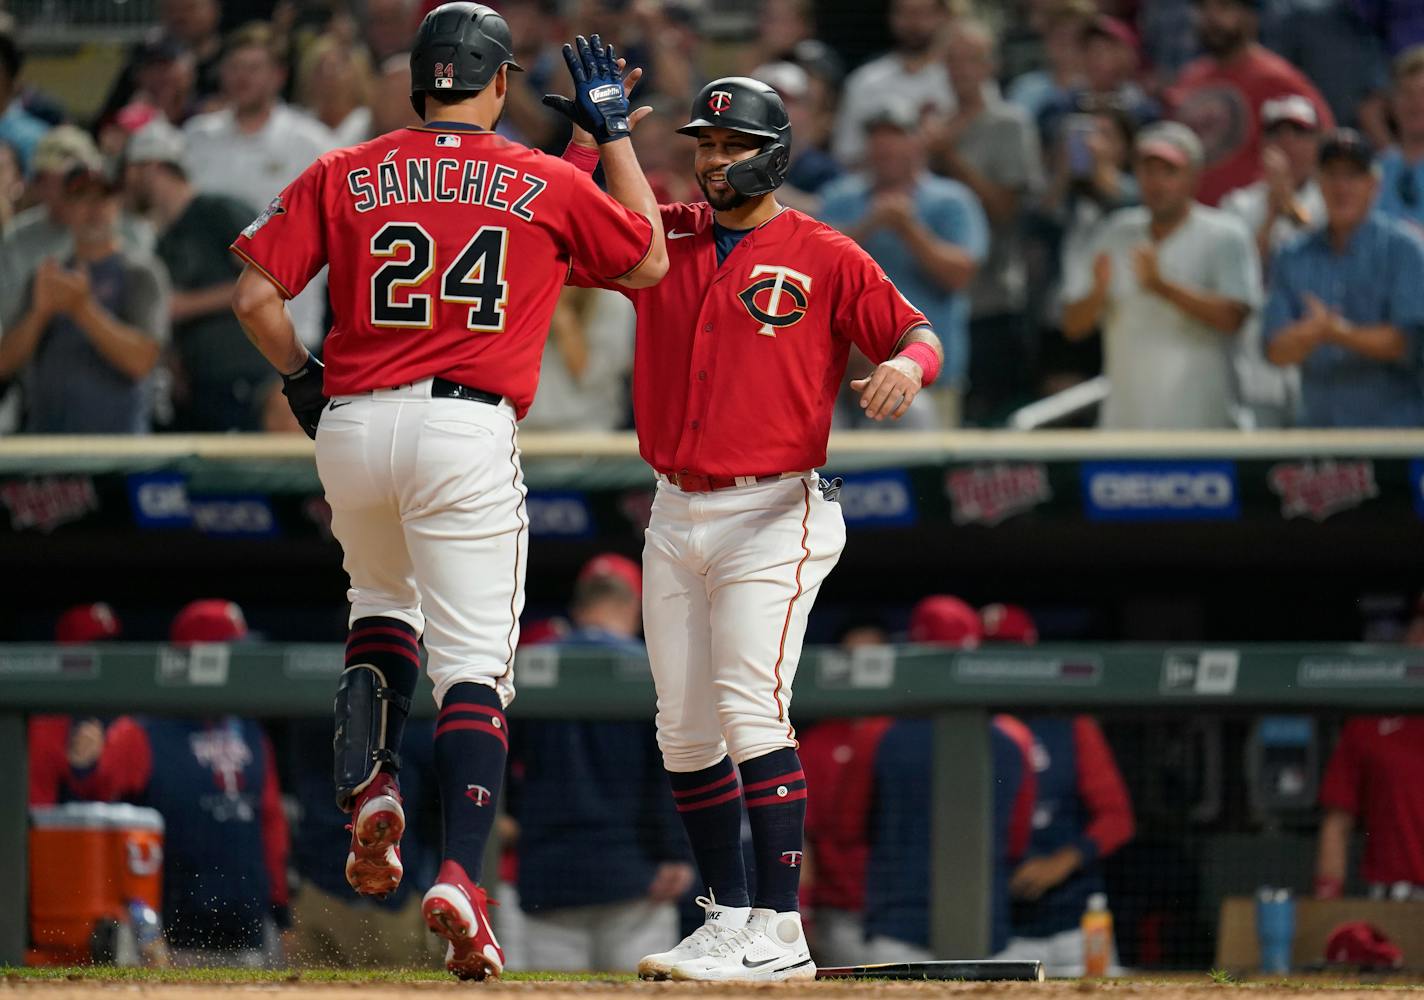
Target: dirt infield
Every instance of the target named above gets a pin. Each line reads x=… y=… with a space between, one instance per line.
x=65 y=989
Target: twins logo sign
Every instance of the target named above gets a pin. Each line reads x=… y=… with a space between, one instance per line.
x=780 y=299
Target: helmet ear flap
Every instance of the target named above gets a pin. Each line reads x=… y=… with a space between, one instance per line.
x=760 y=174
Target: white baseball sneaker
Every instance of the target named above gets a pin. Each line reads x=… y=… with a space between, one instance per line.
x=721 y=923
x=772 y=946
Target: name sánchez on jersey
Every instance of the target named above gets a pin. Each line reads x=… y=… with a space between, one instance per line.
x=466 y=182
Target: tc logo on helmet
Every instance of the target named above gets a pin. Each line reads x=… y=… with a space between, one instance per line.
x=780 y=288
x=721 y=100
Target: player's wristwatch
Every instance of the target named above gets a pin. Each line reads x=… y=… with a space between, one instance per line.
x=305 y=394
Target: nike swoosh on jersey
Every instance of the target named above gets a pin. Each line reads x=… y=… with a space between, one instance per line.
x=675 y=235
x=334 y=404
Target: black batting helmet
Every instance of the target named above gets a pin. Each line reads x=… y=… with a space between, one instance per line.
x=750 y=106
x=459 y=47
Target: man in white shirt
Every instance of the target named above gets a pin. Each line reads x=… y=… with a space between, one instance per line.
x=1171 y=283
x=257 y=145
x=1283 y=204
x=913 y=73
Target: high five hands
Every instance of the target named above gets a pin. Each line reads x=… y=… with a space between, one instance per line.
x=600 y=105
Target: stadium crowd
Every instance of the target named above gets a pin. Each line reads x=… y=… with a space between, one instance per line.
x=1214 y=203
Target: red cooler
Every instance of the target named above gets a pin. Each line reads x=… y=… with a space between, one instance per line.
x=89 y=861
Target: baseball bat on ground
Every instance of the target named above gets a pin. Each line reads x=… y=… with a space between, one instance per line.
x=974 y=972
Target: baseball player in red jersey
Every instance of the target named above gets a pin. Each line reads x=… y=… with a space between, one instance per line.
x=447 y=247
x=741 y=350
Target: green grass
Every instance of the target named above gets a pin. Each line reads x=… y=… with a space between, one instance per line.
x=109 y=973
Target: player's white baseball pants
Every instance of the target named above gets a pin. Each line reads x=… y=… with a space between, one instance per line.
x=729 y=578
x=427 y=501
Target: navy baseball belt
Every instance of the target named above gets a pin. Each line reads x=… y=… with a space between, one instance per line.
x=443 y=388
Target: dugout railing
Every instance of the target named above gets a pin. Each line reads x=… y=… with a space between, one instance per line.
x=959 y=690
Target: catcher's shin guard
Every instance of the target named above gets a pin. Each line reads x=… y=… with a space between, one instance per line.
x=370 y=718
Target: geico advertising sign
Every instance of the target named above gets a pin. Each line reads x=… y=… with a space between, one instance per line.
x=1160 y=491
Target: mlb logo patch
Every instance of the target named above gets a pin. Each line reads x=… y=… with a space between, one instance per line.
x=447 y=140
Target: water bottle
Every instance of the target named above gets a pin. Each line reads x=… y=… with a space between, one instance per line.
x=147 y=930
x=1275 y=928
x=1097 y=936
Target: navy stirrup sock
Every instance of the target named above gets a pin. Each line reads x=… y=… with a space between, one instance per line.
x=471 y=744
x=710 y=804
x=775 y=789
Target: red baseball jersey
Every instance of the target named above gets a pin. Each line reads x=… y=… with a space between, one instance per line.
x=447 y=245
x=737 y=366
x=1374 y=776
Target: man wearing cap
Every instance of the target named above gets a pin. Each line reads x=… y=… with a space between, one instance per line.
x=928 y=233
x=215 y=782
x=596 y=790
x=1171 y=283
x=92 y=328
x=1347 y=302
x=1284 y=203
x=897 y=893
x=220 y=374
x=1221 y=94
x=59 y=743
x=41 y=231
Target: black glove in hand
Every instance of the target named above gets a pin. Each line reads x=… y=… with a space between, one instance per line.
x=305 y=395
x=599 y=106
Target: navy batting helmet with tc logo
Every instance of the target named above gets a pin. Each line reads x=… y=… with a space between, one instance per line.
x=750 y=106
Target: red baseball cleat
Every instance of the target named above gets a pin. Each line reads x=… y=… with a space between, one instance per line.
x=457 y=910
x=374 y=865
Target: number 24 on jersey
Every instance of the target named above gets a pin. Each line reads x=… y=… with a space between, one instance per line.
x=474 y=278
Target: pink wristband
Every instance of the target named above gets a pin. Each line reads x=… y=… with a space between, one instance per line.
x=923 y=355
x=582 y=157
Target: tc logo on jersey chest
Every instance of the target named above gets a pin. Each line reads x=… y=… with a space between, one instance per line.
x=779 y=297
